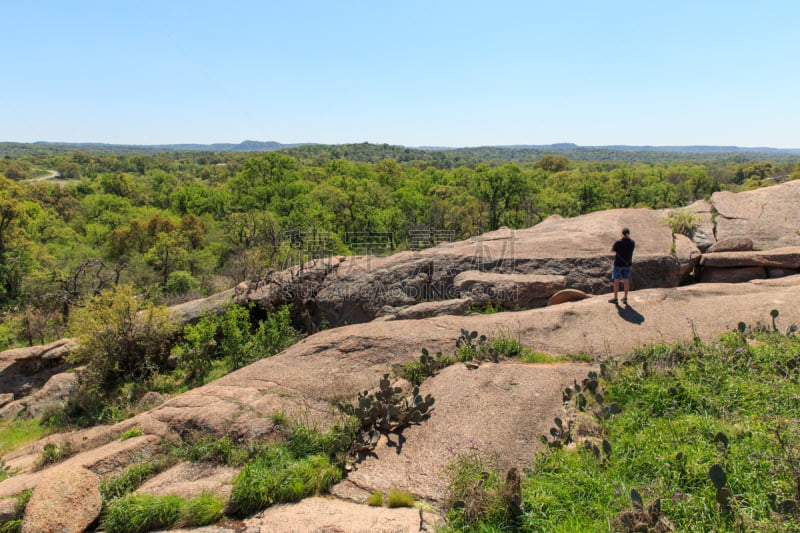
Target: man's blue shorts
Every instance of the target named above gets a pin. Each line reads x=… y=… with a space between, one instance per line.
x=621 y=272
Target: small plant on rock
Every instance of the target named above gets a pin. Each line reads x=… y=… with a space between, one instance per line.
x=53 y=453
x=375 y=499
x=399 y=498
x=385 y=410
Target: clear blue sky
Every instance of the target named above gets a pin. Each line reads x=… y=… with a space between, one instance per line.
x=441 y=73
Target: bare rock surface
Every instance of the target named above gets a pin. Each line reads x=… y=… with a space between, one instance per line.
x=110 y=458
x=732 y=244
x=327 y=515
x=347 y=290
x=769 y=216
x=8 y=509
x=67 y=499
x=496 y=410
x=457 y=306
x=188 y=480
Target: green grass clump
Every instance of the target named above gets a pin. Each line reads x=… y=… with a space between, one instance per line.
x=131 y=433
x=222 y=451
x=399 y=498
x=530 y=356
x=146 y=512
x=202 y=510
x=375 y=499
x=142 y=512
x=126 y=482
x=277 y=476
x=11 y=526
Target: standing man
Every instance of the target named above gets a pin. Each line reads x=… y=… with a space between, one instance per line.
x=623 y=262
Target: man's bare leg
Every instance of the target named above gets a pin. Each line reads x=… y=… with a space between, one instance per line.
x=616 y=288
x=627 y=285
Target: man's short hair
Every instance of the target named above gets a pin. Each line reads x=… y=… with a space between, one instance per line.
x=626 y=231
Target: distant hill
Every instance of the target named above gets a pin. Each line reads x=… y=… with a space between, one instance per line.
x=437 y=155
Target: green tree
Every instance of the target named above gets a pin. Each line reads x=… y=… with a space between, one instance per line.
x=166 y=255
x=15 y=253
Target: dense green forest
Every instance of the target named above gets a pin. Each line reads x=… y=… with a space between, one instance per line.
x=182 y=224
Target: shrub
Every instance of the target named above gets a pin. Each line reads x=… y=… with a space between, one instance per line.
x=121 y=337
x=399 y=498
x=375 y=499
x=681 y=222
x=53 y=453
x=231 y=337
x=181 y=282
x=475 y=495
x=142 y=512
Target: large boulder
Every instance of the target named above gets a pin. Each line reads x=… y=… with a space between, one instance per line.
x=67 y=499
x=53 y=395
x=769 y=216
x=348 y=290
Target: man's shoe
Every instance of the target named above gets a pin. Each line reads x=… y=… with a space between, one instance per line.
x=613 y=301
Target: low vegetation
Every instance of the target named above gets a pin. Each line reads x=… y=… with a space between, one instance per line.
x=145 y=512
x=399 y=498
x=694 y=437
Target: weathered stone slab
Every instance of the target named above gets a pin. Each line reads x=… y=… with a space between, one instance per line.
x=457 y=306
x=732 y=275
x=514 y=290
x=787 y=257
x=189 y=480
x=732 y=244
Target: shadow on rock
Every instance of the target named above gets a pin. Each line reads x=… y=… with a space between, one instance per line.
x=629 y=314
x=399 y=444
